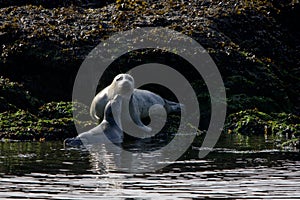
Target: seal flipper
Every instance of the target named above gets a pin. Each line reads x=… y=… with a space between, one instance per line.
x=112 y=120
x=134 y=114
x=173 y=107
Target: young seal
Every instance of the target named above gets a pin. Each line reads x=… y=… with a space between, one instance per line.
x=139 y=101
x=107 y=128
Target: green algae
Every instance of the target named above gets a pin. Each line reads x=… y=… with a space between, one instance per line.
x=285 y=128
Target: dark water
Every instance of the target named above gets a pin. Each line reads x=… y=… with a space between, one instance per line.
x=239 y=167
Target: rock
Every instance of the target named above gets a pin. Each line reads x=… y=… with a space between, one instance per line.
x=23 y=125
x=56 y=3
x=279 y=125
x=283 y=128
x=14 y=95
x=254 y=44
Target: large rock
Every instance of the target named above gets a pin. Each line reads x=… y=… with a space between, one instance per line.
x=56 y=3
x=280 y=127
x=254 y=44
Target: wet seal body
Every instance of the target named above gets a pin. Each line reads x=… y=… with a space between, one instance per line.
x=139 y=101
x=109 y=130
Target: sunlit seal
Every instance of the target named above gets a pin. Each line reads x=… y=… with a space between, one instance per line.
x=139 y=101
x=109 y=130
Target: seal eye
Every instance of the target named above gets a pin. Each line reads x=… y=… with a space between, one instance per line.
x=129 y=78
x=120 y=78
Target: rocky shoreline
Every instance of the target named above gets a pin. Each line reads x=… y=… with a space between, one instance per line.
x=255 y=45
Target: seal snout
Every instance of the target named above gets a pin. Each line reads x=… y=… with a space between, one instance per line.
x=125 y=87
x=126 y=84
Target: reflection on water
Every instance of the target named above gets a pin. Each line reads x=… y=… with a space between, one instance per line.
x=232 y=169
x=25 y=157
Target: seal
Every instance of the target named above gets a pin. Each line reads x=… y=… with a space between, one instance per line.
x=122 y=84
x=110 y=128
x=139 y=101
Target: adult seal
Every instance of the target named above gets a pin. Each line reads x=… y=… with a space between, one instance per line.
x=139 y=101
x=109 y=130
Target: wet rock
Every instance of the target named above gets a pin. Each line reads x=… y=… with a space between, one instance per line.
x=5 y=105
x=54 y=121
x=54 y=110
x=14 y=95
x=22 y=125
x=24 y=117
x=281 y=126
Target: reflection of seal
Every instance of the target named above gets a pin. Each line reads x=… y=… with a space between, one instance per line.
x=140 y=101
x=111 y=128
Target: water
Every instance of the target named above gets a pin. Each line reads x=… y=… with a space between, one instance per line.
x=239 y=167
